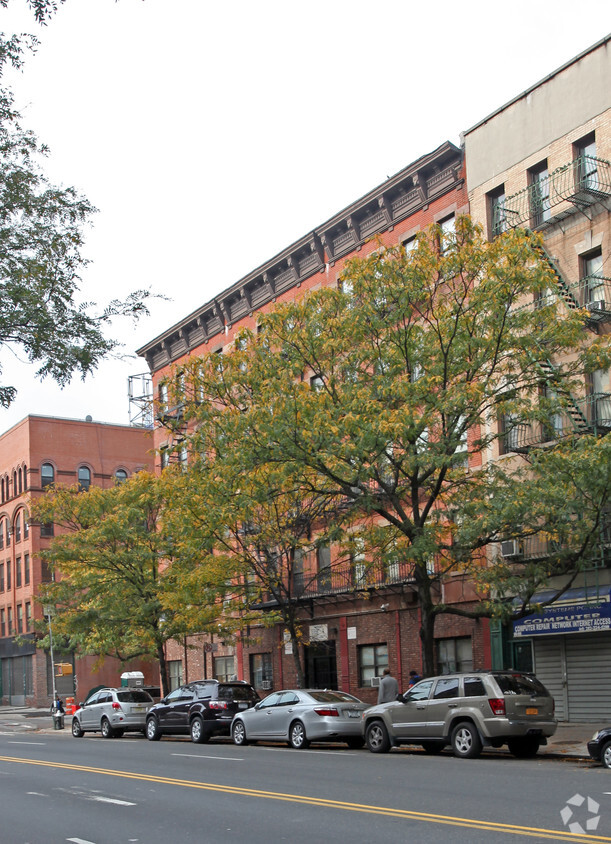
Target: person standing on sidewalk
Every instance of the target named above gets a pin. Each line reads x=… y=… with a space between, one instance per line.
x=389 y=688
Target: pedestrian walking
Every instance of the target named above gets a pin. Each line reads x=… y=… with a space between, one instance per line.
x=389 y=688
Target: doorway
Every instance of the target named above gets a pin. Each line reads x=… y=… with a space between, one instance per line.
x=320 y=665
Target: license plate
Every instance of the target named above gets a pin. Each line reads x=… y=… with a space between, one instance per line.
x=352 y=714
x=242 y=706
x=532 y=711
x=138 y=709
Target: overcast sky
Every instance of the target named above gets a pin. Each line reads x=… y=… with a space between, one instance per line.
x=211 y=135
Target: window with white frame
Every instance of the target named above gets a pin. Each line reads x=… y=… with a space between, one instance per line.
x=373 y=659
x=539 y=193
x=454 y=655
x=224 y=668
x=497 y=214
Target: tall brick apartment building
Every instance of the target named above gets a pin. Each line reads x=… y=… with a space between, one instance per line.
x=350 y=639
x=543 y=161
x=37 y=452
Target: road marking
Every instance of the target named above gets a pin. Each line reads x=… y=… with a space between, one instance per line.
x=80 y=841
x=41 y=743
x=201 y=756
x=321 y=802
x=111 y=800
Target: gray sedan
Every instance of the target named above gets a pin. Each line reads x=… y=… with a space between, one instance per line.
x=299 y=716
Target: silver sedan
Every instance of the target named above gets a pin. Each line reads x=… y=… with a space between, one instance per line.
x=299 y=716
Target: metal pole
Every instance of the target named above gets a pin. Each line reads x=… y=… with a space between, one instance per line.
x=48 y=614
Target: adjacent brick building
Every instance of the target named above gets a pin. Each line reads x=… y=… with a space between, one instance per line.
x=34 y=453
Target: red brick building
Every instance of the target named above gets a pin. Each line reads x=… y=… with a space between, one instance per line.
x=35 y=453
x=350 y=637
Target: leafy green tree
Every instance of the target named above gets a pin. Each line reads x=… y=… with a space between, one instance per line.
x=109 y=588
x=41 y=241
x=383 y=397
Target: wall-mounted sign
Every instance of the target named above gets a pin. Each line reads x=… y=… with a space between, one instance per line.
x=319 y=632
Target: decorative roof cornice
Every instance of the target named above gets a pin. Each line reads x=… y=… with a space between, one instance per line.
x=398 y=197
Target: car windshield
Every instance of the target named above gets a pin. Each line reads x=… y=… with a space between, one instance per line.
x=333 y=697
x=241 y=692
x=520 y=684
x=134 y=696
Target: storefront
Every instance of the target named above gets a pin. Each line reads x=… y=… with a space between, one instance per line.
x=571 y=642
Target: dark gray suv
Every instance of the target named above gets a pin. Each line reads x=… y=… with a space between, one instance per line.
x=466 y=711
x=200 y=709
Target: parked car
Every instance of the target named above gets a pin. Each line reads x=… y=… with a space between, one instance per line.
x=300 y=716
x=466 y=711
x=200 y=709
x=112 y=712
x=599 y=746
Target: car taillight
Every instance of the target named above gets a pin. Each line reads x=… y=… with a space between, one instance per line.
x=497 y=705
x=218 y=704
x=326 y=711
x=116 y=705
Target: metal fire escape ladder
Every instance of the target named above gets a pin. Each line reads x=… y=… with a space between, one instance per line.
x=563 y=288
x=572 y=409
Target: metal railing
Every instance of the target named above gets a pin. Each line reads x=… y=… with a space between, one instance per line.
x=584 y=181
x=349 y=578
x=595 y=409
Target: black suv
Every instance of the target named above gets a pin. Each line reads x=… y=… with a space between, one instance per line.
x=202 y=709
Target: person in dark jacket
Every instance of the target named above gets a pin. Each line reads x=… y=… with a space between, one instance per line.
x=414 y=678
x=389 y=688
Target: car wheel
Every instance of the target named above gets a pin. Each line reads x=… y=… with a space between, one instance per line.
x=466 y=742
x=297 y=736
x=605 y=756
x=198 y=734
x=153 y=733
x=432 y=747
x=376 y=737
x=524 y=748
x=355 y=743
x=77 y=732
x=106 y=728
x=238 y=733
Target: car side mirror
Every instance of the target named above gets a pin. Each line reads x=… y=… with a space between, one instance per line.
x=400 y=698
x=81 y=705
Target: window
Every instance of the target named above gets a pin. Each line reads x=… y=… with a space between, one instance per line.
x=10 y=621
x=359 y=566
x=462 y=448
x=410 y=244
x=9 y=569
x=474 y=687
x=497 y=215
x=2 y=488
x=164 y=455
x=448 y=232
x=163 y=397
x=18 y=527
x=19 y=618
x=84 y=478
x=2 y=622
x=261 y=675
x=511 y=432
x=317 y=383
x=25 y=478
x=7 y=533
x=26 y=569
x=323 y=567
x=446 y=688
x=28 y=616
x=18 y=572
x=601 y=398
x=175 y=673
x=554 y=427
x=224 y=668
x=47 y=529
x=593 y=282
x=373 y=659
x=183 y=457
x=454 y=655
x=120 y=476
x=1 y=577
x=47 y=475
x=539 y=194
x=20 y=480
x=298 y=576
x=1 y=535
x=586 y=174
x=421 y=691
x=26 y=525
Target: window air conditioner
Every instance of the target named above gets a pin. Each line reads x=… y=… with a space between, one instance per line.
x=375 y=682
x=599 y=305
x=511 y=548
x=266 y=685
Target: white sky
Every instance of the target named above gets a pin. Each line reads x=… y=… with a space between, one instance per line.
x=210 y=135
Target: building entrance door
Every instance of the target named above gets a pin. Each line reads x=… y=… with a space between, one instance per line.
x=320 y=665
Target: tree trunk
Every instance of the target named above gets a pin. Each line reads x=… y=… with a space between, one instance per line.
x=427 y=638
x=163 y=670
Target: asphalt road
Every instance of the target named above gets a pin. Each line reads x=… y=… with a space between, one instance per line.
x=56 y=789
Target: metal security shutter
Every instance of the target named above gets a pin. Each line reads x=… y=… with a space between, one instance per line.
x=588 y=668
x=549 y=662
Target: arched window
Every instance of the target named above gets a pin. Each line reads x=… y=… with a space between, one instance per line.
x=47 y=474
x=84 y=478
x=3 y=498
x=17 y=530
x=20 y=479
x=120 y=476
x=26 y=524
x=25 y=478
x=14 y=483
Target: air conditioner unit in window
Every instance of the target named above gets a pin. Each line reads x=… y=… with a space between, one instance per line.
x=375 y=682
x=511 y=548
x=598 y=305
x=266 y=685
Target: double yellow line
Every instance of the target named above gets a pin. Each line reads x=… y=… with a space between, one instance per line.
x=405 y=814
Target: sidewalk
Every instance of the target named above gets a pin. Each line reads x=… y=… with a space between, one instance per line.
x=570 y=740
